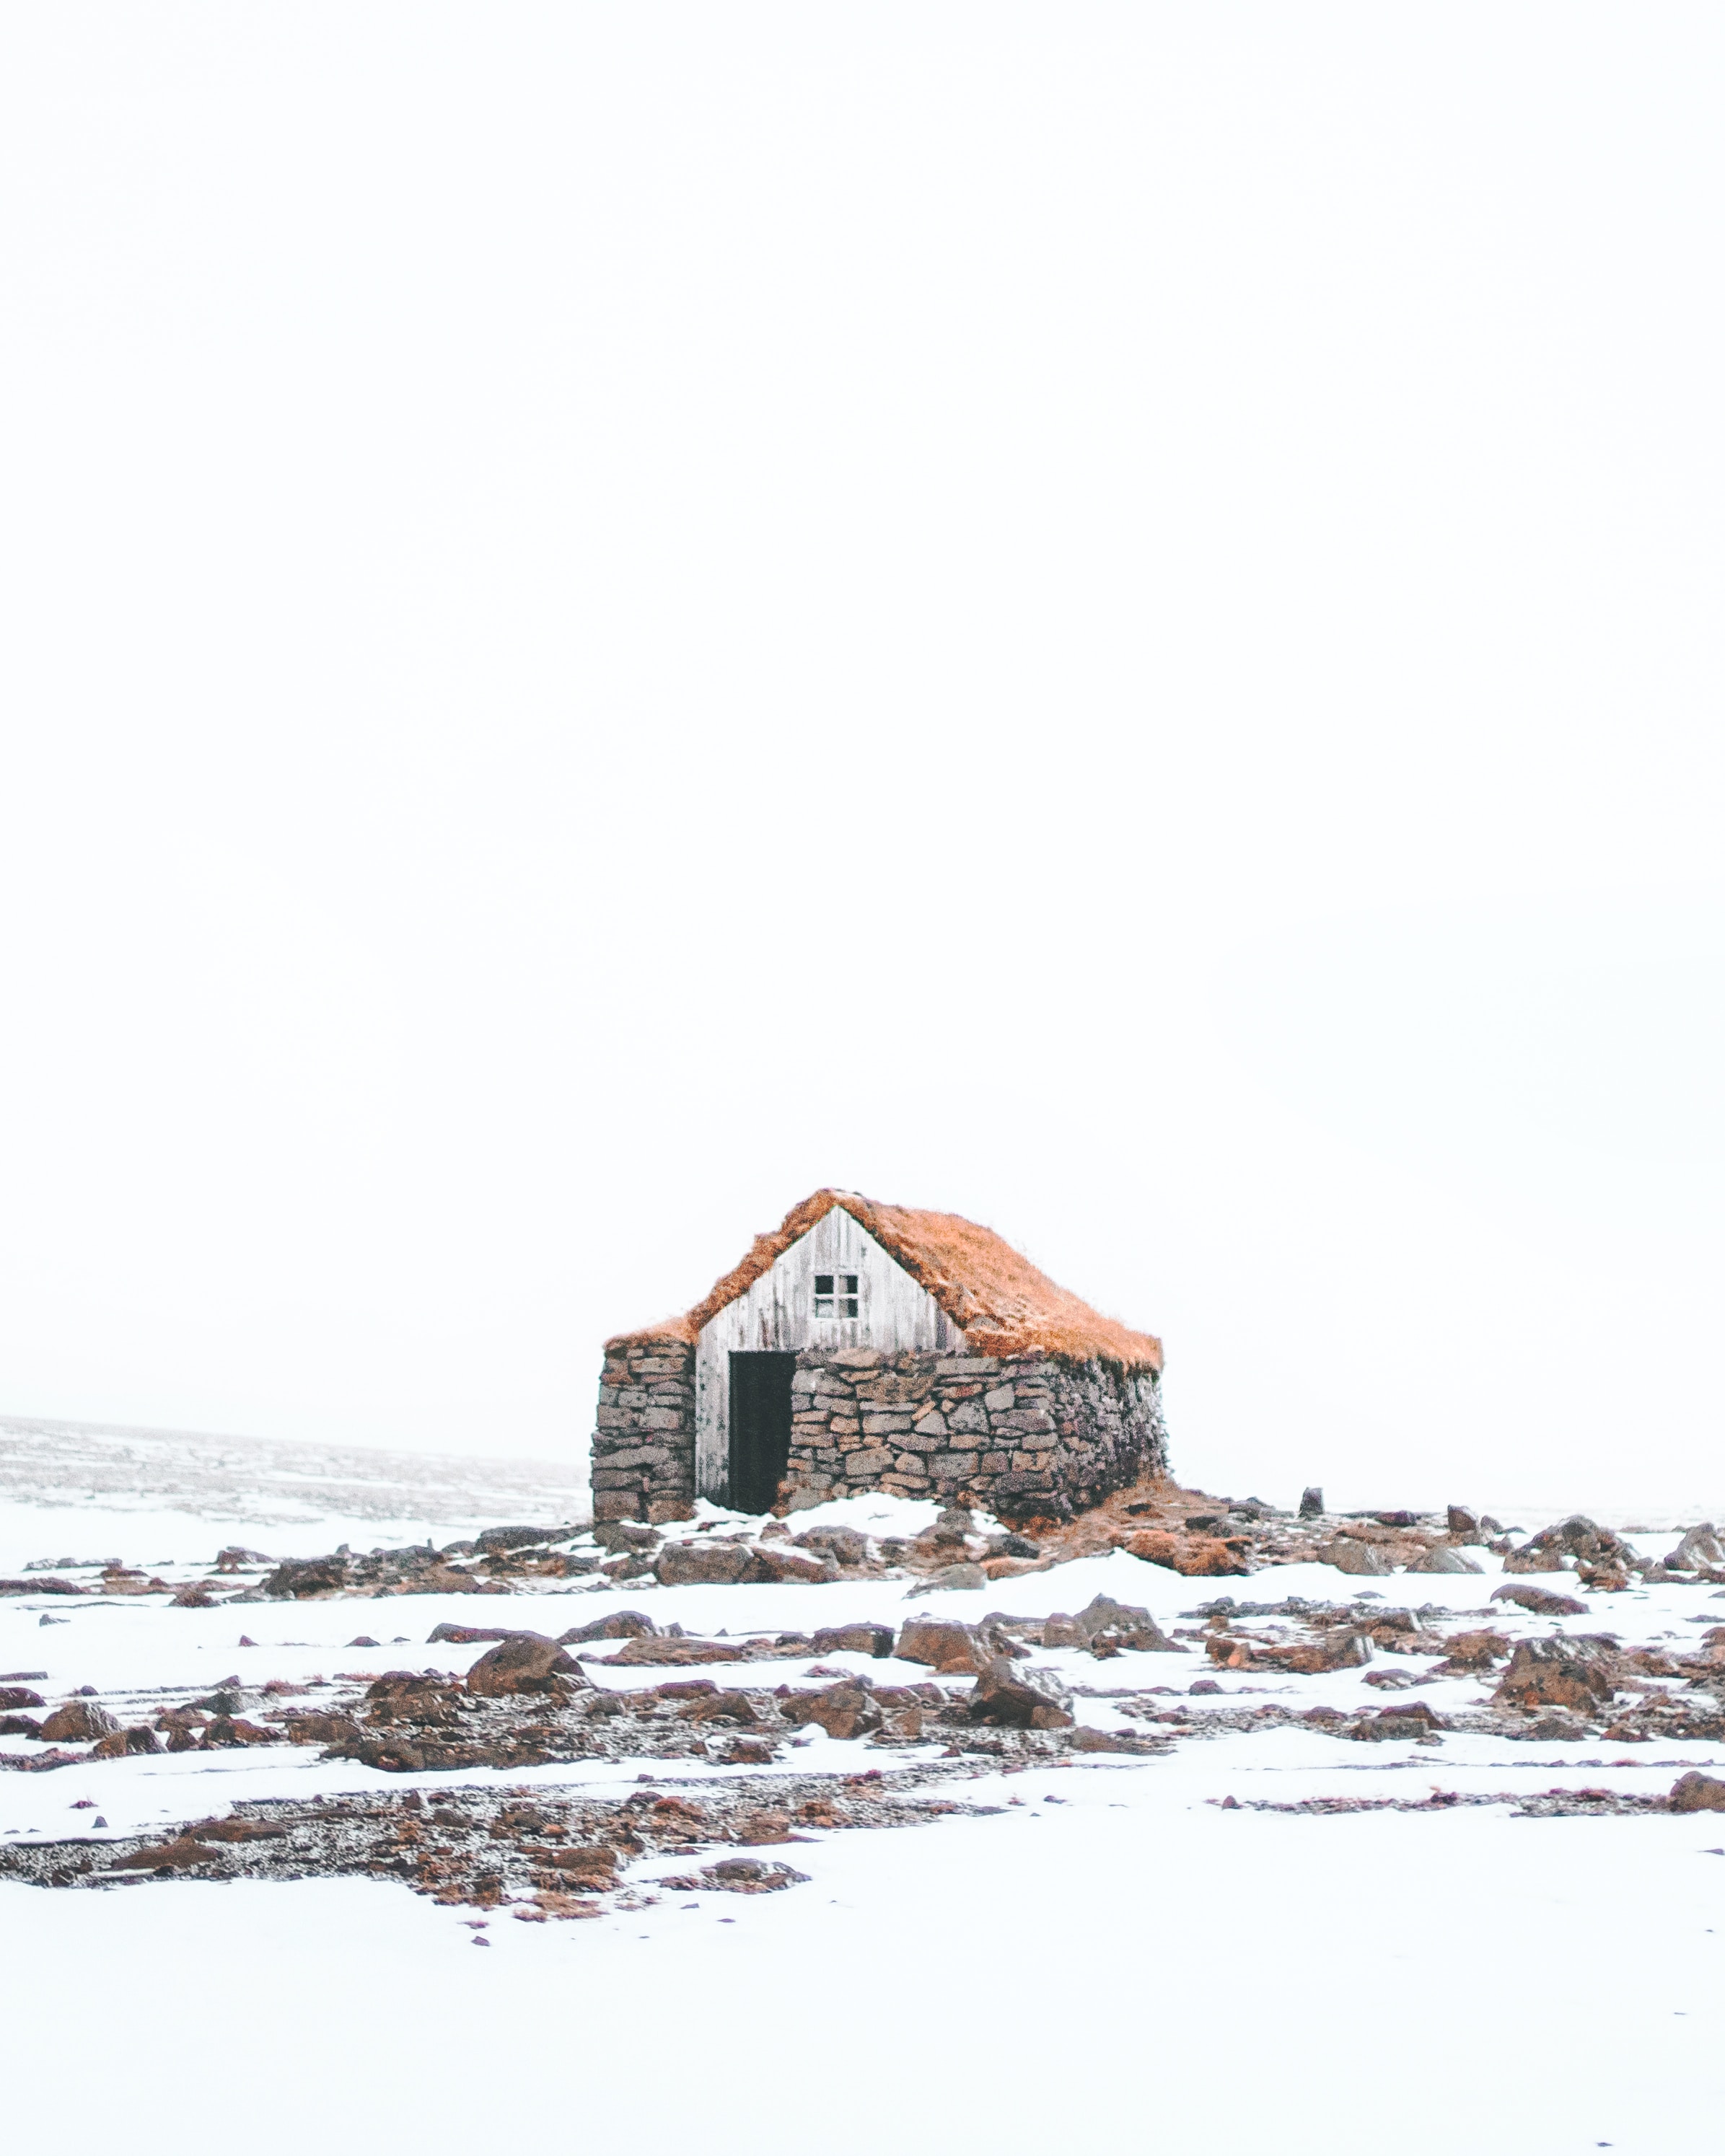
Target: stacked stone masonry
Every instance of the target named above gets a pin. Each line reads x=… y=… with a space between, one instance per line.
x=1024 y=1435
x=644 y=1448
x=1021 y=1434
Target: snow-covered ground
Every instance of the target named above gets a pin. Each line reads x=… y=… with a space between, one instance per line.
x=1107 y=1956
x=155 y=1497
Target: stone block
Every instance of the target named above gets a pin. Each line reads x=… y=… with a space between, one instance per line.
x=663 y=1418
x=885 y=1426
x=873 y=1462
x=1000 y=1400
x=932 y=1424
x=967 y=1366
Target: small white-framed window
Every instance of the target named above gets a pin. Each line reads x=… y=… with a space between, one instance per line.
x=838 y=1295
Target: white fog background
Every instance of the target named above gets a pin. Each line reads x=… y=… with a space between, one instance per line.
x=1106 y=618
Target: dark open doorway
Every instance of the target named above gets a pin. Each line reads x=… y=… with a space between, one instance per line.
x=760 y=1428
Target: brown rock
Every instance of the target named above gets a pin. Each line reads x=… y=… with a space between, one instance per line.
x=17 y=1695
x=705 y=1564
x=843 y=1710
x=1697 y=1793
x=942 y=1644
x=1542 y=1601
x=1552 y=1673
x=1468 y=1651
x=78 y=1721
x=783 y=1561
x=118 y=1743
x=1195 y=1557
x=526 y=1664
x=875 y=1639
x=1011 y=1696
x=669 y=1653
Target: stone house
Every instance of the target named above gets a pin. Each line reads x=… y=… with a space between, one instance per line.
x=867 y=1347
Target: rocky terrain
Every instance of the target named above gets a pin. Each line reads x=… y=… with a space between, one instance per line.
x=951 y=1660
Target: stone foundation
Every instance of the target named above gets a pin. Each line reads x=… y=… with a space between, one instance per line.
x=644 y=1448
x=1021 y=1434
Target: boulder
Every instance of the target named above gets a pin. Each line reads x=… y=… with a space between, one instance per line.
x=843 y=1545
x=1411 y=1718
x=78 y=1721
x=621 y=1625
x=118 y=1743
x=526 y=1664
x=845 y=1709
x=19 y=1725
x=298 y=1579
x=1312 y=1502
x=1468 y=1651
x=953 y=1577
x=1365 y=1560
x=674 y=1653
x=515 y=1538
x=875 y=1639
x=17 y=1695
x=1011 y=1696
x=942 y=1644
x=1106 y=1624
x=1195 y=1557
x=1463 y=1524
x=1577 y=1540
x=785 y=1562
x=1699 y=1551
x=465 y=1635
x=704 y=1564
x=1697 y=1793
x=1542 y=1601
x=1554 y=1673
x=1442 y=1557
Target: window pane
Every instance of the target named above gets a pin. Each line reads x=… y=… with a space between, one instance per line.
x=850 y=1306
x=823 y=1305
x=823 y=1283
x=850 y=1283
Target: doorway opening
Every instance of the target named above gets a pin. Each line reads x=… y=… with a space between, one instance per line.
x=760 y=1428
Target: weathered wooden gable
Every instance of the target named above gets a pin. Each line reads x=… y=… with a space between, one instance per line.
x=777 y=1314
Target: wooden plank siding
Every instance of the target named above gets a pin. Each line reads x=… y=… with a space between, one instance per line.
x=776 y=1314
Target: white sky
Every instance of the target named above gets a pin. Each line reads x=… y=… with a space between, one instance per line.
x=1105 y=618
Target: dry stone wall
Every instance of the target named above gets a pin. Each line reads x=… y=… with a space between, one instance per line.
x=644 y=1448
x=1023 y=1435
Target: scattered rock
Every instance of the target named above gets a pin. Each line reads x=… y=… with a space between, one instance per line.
x=1363 y=1560
x=942 y=1644
x=1542 y=1601
x=621 y=1625
x=119 y=1741
x=1554 y=1673
x=786 y=1562
x=952 y=1576
x=527 y=1663
x=77 y=1723
x=875 y=1639
x=1697 y=1793
x=15 y=1696
x=843 y=1710
x=1195 y=1557
x=1312 y=1502
x=1463 y=1524
x=704 y=1563
x=1442 y=1558
x=1470 y=1651
x=1699 y=1551
x=1008 y=1694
